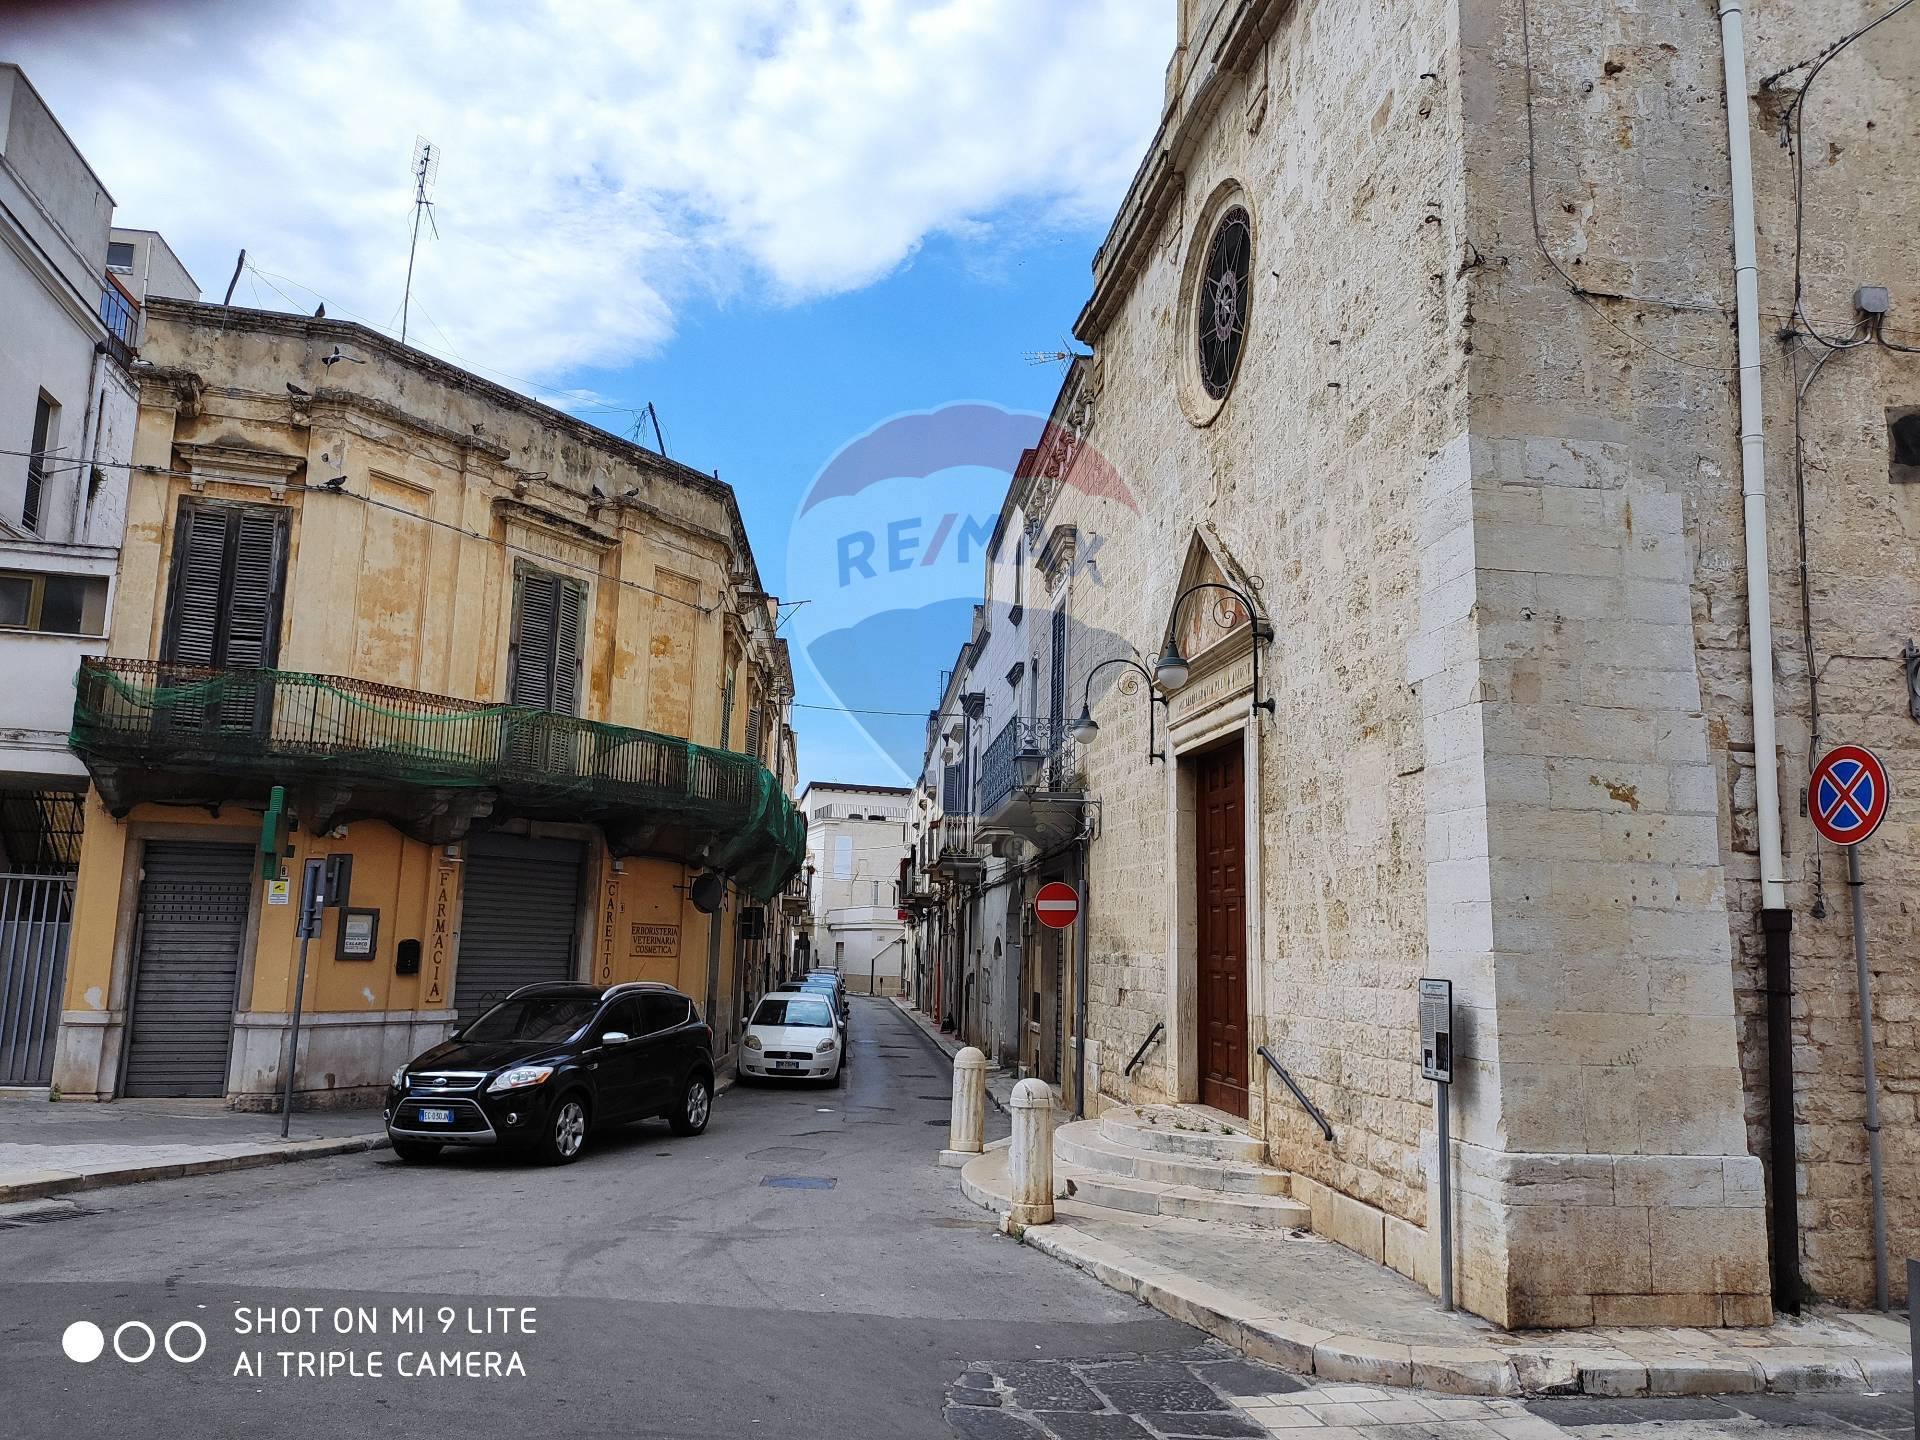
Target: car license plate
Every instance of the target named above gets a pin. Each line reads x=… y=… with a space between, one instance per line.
x=435 y=1117
x=786 y=1065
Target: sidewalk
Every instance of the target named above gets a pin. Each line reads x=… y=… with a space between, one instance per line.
x=1311 y=1306
x=48 y=1148
x=1000 y=1080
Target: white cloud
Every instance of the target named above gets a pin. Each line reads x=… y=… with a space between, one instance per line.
x=602 y=164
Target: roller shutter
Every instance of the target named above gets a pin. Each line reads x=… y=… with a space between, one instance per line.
x=518 y=918
x=194 y=901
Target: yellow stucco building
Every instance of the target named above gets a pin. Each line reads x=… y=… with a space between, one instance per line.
x=523 y=673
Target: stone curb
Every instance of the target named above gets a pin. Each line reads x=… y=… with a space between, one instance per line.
x=1513 y=1368
x=58 y=1184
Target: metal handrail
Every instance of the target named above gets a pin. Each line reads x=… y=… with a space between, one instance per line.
x=1298 y=1094
x=1152 y=1035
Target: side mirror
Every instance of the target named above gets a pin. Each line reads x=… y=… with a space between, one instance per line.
x=615 y=1037
x=456 y=1032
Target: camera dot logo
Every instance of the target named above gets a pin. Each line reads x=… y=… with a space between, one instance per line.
x=83 y=1341
x=134 y=1342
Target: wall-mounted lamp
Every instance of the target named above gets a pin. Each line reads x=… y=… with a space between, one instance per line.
x=1172 y=670
x=1086 y=729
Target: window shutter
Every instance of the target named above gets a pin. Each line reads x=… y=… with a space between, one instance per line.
x=225 y=603
x=200 y=553
x=250 y=610
x=726 y=715
x=531 y=680
x=753 y=731
x=571 y=596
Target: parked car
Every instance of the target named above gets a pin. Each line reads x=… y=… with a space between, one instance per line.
x=842 y=1012
x=550 y=1064
x=793 y=1035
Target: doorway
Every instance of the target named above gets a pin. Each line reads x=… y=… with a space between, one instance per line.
x=1221 y=940
x=192 y=926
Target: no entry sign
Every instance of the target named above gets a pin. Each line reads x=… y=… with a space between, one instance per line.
x=1847 y=797
x=1057 y=904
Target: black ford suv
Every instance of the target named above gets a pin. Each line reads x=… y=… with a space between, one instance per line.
x=551 y=1062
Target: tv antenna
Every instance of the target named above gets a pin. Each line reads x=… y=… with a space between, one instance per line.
x=426 y=165
x=640 y=418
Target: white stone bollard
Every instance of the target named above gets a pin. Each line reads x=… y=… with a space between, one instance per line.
x=967 y=1130
x=1030 y=1158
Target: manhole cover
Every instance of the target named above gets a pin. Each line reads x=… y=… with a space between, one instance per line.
x=798 y=1182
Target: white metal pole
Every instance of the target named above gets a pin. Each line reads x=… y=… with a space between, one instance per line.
x=1753 y=458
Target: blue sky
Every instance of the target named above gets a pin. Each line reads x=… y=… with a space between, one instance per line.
x=781 y=221
x=768 y=395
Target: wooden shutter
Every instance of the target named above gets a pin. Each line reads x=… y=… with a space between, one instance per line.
x=531 y=660
x=252 y=607
x=199 y=571
x=224 y=609
x=544 y=661
x=571 y=596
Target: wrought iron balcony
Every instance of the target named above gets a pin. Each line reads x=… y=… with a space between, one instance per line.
x=431 y=765
x=1027 y=783
x=955 y=857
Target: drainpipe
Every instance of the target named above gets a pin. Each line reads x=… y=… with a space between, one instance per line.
x=1080 y=983
x=1776 y=920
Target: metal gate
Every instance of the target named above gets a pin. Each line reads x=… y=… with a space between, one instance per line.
x=36 y=913
x=518 y=919
x=194 y=901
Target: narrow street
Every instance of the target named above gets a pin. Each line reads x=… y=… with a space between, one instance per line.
x=801 y=1269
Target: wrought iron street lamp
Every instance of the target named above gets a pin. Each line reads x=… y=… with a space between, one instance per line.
x=1086 y=730
x=1172 y=670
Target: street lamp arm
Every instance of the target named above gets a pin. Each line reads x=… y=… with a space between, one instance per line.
x=1084 y=729
x=1171 y=668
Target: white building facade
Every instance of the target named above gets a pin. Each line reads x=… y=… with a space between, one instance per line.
x=857 y=846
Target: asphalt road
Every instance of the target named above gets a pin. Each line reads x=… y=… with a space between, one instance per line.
x=802 y=1269
x=675 y=1292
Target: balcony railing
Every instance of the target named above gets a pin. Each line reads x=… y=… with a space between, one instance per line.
x=1025 y=755
x=120 y=313
x=150 y=730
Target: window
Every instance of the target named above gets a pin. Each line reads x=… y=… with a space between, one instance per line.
x=120 y=255
x=660 y=1011
x=1903 y=438
x=55 y=604
x=726 y=711
x=843 y=857
x=541 y=1018
x=543 y=661
x=622 y=1016
x=46 y=434
x=1221 y=314
x=1019 y=580
x=223 y=602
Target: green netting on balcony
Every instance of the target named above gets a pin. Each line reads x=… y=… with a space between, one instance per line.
x=648 y=791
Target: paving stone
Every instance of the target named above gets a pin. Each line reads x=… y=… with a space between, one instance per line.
x=973 y=1423
x=1044 y=1385
x=1575 y=1411
x=1205 y=1423
x=1079 y=1425
x=1150 y=1385
x=1248 y=1377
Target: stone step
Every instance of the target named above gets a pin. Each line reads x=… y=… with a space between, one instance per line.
x=985 y=1181
x=1086 y=1144
x=1185 y=1202
x=1171 y=1130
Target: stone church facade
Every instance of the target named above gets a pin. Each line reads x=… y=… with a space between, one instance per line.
x=1476 y=460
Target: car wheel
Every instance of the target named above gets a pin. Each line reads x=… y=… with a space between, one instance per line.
x=415 y=1152
x=840 y=1071
x=566 y=1133
x=695 y=1108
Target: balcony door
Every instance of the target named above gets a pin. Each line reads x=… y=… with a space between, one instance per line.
x=224 y=589
x=543 y=669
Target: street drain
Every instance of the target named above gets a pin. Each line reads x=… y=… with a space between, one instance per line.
x=39 y=1212
x=931 y=1097
x=798 y=1182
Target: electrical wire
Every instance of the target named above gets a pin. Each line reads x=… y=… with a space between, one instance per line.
x=1575 y=288
x=448 y=525
x=1794 y=122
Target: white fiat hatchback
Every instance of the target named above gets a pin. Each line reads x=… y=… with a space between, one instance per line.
x=792 y=1035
